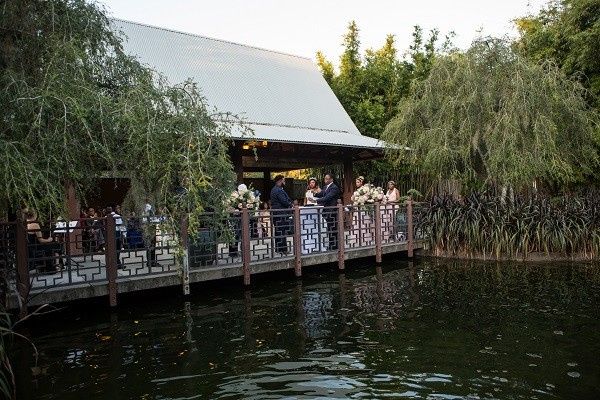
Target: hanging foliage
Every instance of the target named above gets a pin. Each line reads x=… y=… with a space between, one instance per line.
x=76 y=107
x=489 y=116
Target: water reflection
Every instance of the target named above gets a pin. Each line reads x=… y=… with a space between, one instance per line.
x=426 y=330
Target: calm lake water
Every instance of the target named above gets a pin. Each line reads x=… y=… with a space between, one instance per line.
x=438 y=330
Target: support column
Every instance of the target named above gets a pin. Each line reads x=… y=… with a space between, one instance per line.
x=267 y=183
x=111 y=255
x=245 y=246
x=348 y=179
x=238 y=165
x=73 y=206
x=73 y=209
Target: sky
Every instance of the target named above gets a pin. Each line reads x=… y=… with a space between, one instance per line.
x=302 y=27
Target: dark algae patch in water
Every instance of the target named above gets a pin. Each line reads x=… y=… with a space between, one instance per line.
x=432 y=329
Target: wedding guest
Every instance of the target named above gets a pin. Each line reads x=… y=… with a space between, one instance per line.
x=280 y=206
x=359 y=182
x=134 y=232
x=93 y=227
x=393 y=194
x=328 y=197
x=123 y=226
x=389 y=212
x=118 y=239
x=37 y=243
x=311 y=190
x=264 y=221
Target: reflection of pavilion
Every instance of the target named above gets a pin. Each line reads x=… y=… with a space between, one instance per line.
x=318 y=311
x=297 y=120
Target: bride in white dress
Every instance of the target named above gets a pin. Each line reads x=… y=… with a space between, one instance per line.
x=312 y=189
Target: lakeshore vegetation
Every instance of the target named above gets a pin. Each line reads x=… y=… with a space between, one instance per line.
x=511 y=125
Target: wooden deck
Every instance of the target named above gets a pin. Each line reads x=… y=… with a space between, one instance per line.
x=169 y=258
x=61 y=287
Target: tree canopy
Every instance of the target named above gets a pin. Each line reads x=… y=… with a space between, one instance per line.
x=490 y=116
x=371 y=85
x=76 y=107
x=566 y=32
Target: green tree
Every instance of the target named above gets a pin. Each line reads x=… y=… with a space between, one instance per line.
x=490 y=116
x=566 y=32
x=370 y=86
x=75 y=107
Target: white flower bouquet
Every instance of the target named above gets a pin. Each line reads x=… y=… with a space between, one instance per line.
x=367 y=194
x=242 y=195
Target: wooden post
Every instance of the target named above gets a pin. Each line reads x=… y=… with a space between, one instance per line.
x=341 y=236
x=246 y=245
x=22 y=266
x=348 y=179
x=185 y=265
x=378 y=249
x=110 y=254
x=297 y=240
x=409 y=234
x=238 y=165
x=73 y=209
x=266 y=185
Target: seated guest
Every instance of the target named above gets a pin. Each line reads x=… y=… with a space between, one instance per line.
x=94 y=230
x=38 y=245
x=123 y=226
x=118 y=239
x=313 y=187
x=134 y=232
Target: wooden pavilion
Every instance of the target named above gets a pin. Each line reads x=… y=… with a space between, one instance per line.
x=297 y=120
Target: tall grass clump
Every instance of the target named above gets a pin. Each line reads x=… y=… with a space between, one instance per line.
x=483 y=225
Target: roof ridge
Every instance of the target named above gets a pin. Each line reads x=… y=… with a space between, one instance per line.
x=210 y=38
x=298 y=127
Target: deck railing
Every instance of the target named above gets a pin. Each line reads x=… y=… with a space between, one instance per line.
x=99 y=252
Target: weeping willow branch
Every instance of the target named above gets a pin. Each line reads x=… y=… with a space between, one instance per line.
x=488 y=115
x=76 y=107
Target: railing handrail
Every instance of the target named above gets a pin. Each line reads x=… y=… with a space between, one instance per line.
x=340 y=228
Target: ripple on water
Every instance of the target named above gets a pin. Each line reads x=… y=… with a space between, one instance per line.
x=434 y=330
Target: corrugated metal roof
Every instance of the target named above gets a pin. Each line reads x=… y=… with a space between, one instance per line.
x=283 y=97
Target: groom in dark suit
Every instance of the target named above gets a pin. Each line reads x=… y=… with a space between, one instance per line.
x=328 y=197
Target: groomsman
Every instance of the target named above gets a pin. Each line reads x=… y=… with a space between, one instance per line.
x=280 y=206
x=328 y=197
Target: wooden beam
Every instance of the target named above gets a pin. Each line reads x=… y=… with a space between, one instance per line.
x=285 y=163
x=348 y=179
x=237 y=160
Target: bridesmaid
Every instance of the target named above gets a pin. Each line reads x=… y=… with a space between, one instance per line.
x=359 y=182
x=362 y=223
x=393 y=194
x=389 y=211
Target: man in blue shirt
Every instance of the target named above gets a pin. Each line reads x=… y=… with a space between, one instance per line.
x=280 y=206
